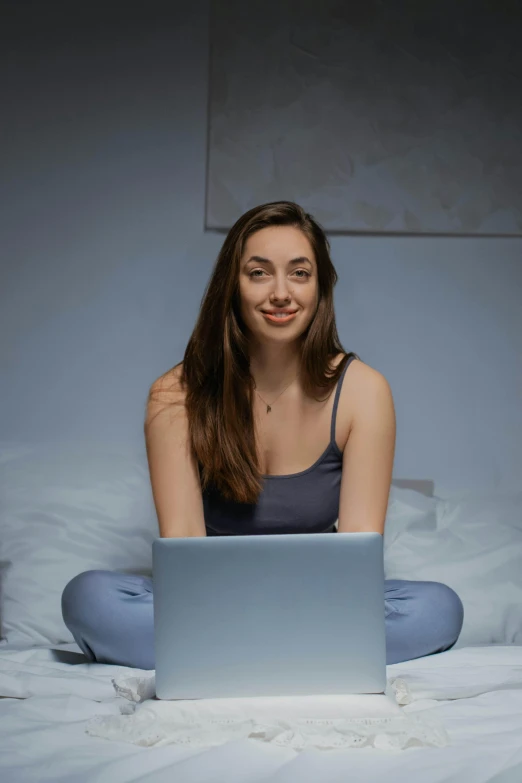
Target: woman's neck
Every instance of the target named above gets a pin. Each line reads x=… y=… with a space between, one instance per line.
x=273 y=373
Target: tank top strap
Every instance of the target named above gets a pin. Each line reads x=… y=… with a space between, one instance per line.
x=336 y=399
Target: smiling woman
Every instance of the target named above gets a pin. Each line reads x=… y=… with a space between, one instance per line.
x=243 y=360
x=219 y=465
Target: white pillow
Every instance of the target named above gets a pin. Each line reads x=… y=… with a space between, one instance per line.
x=408 y=511
x=71 y=507
x=473 y=543
x=67 y=508
x=10 y=450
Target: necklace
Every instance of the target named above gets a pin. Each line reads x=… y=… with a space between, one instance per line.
x=269 y=407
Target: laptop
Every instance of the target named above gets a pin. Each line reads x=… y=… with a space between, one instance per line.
x=269 y=615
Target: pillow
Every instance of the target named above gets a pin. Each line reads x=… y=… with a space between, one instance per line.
x=67 y=508
x=408 y=510
x=71 y=507
x=473 y=543
x=10 y=450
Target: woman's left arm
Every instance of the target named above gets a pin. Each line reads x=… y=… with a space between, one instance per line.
x=368 y=458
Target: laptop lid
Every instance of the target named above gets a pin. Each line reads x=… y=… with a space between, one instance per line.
x=269 y=615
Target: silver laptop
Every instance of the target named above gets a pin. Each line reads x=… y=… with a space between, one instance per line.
x=269 y=615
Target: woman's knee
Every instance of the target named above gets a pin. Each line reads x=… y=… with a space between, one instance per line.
x=82 y=591
x=450 y=610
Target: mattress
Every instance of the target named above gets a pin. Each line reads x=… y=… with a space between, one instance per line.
x=49 y=693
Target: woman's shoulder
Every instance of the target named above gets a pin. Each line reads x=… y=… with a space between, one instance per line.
x=361 y=378
x=362 y=385
x=164 y=392
x=354 y=361
x=170 y=379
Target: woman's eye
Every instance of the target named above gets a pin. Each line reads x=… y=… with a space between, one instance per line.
x=253 y=273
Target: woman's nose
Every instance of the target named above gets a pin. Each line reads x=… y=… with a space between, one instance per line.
x=281 y=291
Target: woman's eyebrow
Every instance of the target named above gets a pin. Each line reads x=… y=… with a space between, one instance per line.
x=261 y=260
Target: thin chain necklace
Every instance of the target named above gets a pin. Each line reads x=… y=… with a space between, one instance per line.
x=269 y=407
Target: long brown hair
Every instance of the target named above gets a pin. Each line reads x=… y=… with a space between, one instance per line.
x=215 y=376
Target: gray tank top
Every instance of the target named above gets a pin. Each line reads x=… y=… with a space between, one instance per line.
x=304 y=502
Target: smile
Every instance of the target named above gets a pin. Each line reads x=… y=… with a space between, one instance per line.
x=280 y=319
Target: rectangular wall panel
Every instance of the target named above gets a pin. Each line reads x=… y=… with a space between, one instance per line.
x=374 y=116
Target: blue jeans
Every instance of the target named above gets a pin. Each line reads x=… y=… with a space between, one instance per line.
x=111 y=617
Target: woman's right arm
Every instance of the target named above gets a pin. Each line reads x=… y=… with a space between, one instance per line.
x=174 y=474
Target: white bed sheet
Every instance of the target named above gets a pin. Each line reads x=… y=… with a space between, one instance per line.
x=50 y=692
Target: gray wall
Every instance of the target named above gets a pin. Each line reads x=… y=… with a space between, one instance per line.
x=104 y=258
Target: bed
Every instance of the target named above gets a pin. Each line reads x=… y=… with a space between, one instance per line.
x=66 y=508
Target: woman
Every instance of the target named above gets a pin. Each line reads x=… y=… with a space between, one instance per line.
x=267 y=426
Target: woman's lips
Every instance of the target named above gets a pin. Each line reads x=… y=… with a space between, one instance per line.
x=277 y=319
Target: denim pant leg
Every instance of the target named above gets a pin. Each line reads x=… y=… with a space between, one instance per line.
x=421 y=618
x=111 y=617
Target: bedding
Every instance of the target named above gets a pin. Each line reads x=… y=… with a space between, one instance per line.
x=454 y=716
x=51 y=694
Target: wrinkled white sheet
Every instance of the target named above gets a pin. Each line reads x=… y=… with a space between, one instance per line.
x=49 y=697
x=326 y=722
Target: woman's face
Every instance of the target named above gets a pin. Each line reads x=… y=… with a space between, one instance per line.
x=279 y=282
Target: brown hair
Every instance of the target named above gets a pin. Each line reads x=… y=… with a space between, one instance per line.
x=216 y=377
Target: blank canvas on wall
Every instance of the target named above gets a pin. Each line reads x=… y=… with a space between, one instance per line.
x=374 y=116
